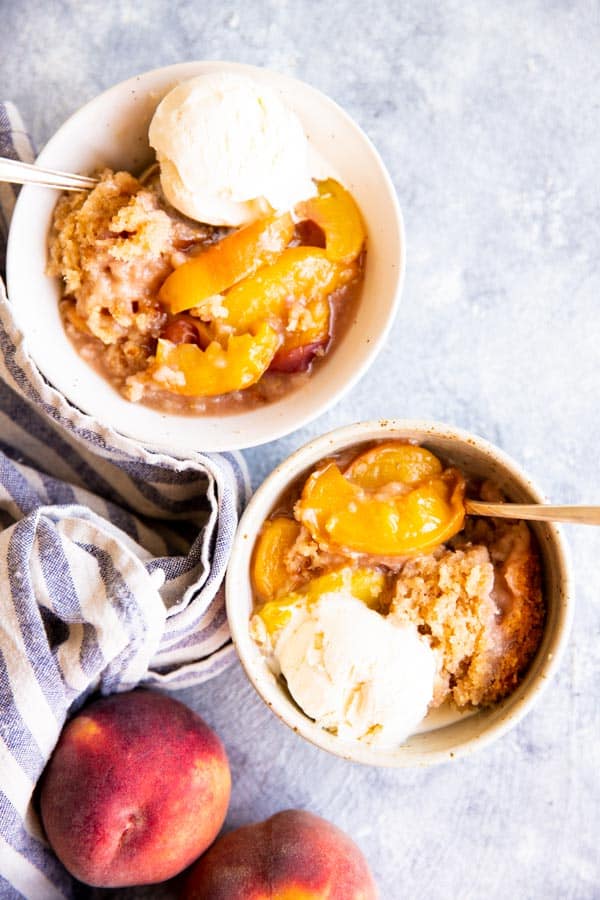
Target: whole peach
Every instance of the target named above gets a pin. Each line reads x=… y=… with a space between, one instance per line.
x=294 y=855
x=137 y=787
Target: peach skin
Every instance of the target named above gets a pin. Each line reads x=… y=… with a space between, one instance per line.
x=294 y=855
x=137 y=787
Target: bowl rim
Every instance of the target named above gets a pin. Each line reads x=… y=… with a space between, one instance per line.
x=282 y=422
x=511 y=710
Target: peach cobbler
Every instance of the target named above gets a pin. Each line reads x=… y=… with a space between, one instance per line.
x=378 y=600
x=220 y=279
x=174 y=312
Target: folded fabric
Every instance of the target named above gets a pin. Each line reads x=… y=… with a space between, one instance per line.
x=112 y=559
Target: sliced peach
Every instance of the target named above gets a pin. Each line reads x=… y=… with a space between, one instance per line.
x=310 y=336
x=285 y=288
x=270 y=576
x=364 y=583
x=337 y=215
x=225 y=263
x=186 y=369
x=277 y=613
x=392 y=462
x=290 y=360
x=312 y=325
x=341 y=515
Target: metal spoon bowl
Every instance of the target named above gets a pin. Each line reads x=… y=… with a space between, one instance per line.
x=16 y=172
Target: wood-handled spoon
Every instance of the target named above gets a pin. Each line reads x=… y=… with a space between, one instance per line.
x=536 y=512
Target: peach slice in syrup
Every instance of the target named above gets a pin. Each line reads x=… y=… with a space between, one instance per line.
x=392 y=463
x=187 y=370
x=336 y=213
x=310 y=337
x=312 y=330
x=299 y=276
x=341 y=515
x=223 y=264
x=270 y=576
x=364 y=583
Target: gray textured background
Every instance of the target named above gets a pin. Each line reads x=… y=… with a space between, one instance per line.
x=487 y=115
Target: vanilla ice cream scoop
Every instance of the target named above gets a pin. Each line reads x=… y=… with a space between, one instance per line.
x=355 y=672
x=229 y=150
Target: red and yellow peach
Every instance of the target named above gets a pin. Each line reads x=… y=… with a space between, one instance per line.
x=137 y=788
x=294 y=855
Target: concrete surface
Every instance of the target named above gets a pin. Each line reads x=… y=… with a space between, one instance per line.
x=487 y=115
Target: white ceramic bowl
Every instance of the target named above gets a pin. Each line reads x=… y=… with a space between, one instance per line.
x=443 y=736
x=112 y=131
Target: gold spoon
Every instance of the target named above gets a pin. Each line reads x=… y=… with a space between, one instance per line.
x=17 y=172
x=537 y=512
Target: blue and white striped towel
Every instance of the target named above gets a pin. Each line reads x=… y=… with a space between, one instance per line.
x=111 y=564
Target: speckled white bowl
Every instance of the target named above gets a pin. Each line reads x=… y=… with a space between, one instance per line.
x=442 y=737
x=112 y=131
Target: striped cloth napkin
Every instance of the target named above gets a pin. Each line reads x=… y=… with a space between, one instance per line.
x=111 y=564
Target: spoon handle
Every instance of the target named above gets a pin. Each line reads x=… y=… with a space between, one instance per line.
x=17 y=172
x=579 y=515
